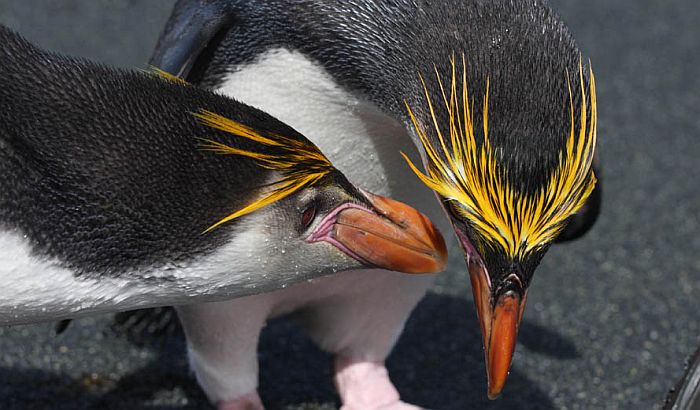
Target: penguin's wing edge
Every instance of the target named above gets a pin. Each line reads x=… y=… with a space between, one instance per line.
x=192 y=24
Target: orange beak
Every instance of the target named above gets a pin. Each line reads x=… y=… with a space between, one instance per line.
x=391 y=236
x=499 y=317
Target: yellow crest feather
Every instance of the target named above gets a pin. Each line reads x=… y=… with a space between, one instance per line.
x=466 y=172
x=300 y=162
x=166 y=75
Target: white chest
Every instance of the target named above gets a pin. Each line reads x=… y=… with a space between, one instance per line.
x=364 y=143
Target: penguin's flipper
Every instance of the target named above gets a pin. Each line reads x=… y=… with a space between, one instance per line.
x=191 y=26
x=584 y=219
x=61 y=326
x=144 y=326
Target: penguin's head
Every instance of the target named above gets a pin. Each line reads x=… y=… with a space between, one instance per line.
x=331 y=226
x=309 y=219
x=508 y=193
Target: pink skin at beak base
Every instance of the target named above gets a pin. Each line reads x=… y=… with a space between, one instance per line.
x=394 y=236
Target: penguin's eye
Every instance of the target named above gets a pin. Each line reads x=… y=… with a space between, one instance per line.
x=308 y=215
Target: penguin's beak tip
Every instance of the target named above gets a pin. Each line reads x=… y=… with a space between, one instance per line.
x=504 y=331
x=499 y=320
x=493 y=393
x=391 y=236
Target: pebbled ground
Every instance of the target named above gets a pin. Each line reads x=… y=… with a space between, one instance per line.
x=611 y=318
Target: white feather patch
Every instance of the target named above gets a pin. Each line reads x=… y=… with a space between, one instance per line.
x=361 y=141
x=35 y=288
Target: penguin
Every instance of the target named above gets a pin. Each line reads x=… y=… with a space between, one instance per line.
x=123 y=189
x=491 y=104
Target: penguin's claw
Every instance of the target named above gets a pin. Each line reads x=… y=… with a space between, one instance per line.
x=250 y=401
x=365 y=385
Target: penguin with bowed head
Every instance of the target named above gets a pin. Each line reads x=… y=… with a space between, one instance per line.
x=124 y=189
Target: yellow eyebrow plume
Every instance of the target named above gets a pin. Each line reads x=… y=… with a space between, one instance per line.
x=165 y=75
x=461 y=170
x=299 y=161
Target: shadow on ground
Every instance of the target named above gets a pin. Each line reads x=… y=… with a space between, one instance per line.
x=296 y=375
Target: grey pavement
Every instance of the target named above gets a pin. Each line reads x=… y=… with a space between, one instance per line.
x=611 y=318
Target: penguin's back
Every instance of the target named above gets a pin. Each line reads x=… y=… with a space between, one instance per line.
x=102 y=169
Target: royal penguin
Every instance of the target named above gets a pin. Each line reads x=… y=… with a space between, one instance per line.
x=493 y=107
x=122 y=189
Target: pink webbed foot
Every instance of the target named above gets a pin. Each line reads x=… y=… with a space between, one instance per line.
x=364 y=385
x=250 y=401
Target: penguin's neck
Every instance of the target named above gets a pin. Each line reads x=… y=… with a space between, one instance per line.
x=362 y=141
